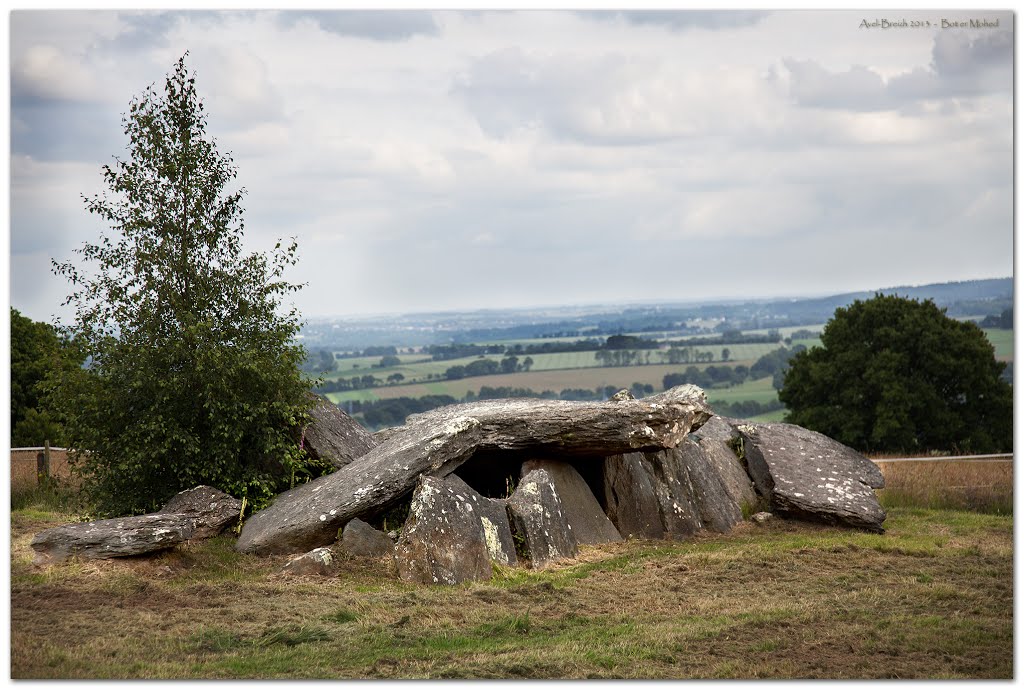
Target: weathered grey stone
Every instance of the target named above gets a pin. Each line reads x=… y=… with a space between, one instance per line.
x=443 y=539
x=333 y=436
x=311 y=514
x=631 y=498
x=493 y=519
x=115 y=538
x=437 y=442
x=360 y=539
x=210 y=509
x=646 y=498
x=718 y=428
x=589 y=523
x=537 y=516
x=761 y=518
x=319 y=561
x=730 y=470
x=806 y=475
x=718 y=437
x=700 y=475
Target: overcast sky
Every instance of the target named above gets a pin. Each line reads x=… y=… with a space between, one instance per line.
x=457 y=160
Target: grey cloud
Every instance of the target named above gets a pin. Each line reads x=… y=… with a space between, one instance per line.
x=961 y=66
x=148 y=29
x=509 y=91
x=379 y=25
x=68 y=132
x=678 y=20
x=858 y=88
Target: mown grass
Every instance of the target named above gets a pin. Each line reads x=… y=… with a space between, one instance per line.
x=930 y=598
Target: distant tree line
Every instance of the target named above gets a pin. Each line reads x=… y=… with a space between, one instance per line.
x=441 y=353
x=1003 y=320
x=318 y=362
x=732 y=336
x=745 y=409
x=774 y=364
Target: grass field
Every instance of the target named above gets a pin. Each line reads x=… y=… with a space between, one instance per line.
x=416 y=367
x=556 y=380
x=1002 y=341
x=965 y=485
x=931 y=598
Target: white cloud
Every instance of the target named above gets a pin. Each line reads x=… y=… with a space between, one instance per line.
x=44 y=72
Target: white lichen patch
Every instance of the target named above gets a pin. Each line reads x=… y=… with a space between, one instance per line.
x=493 y=541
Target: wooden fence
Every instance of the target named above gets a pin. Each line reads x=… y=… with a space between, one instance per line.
x=30 y=466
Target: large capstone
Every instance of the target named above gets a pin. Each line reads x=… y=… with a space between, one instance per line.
x=539 y=520
x=804 y=474
x=443 y=540
x=590 y=524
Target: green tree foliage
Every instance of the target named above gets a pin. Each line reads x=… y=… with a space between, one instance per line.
x=895 y=374
x=319 y=362
x=194 y=375
x=36 y=351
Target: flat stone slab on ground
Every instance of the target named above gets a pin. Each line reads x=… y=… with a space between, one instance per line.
x=320 y=561
x=114 y=538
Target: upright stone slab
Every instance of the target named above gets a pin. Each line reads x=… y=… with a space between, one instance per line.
x=717 y=509
x=731 y=471
x=631 y=497
x=334 y=436
x=807 y=475
x=537 y=516
x=646 y=496
x=590 y=524
x=443 y=539
x=718 y=428
x=210 y=509
x=493 y=517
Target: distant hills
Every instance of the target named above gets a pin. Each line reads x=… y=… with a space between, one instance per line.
x=964 y=299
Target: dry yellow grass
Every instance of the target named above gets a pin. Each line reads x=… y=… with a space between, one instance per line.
x=983 y=486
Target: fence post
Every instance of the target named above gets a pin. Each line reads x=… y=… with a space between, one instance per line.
x=43 y=464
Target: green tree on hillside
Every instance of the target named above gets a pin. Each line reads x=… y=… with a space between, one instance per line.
x=194 y=375
x=895 y=374
x=36 y=352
